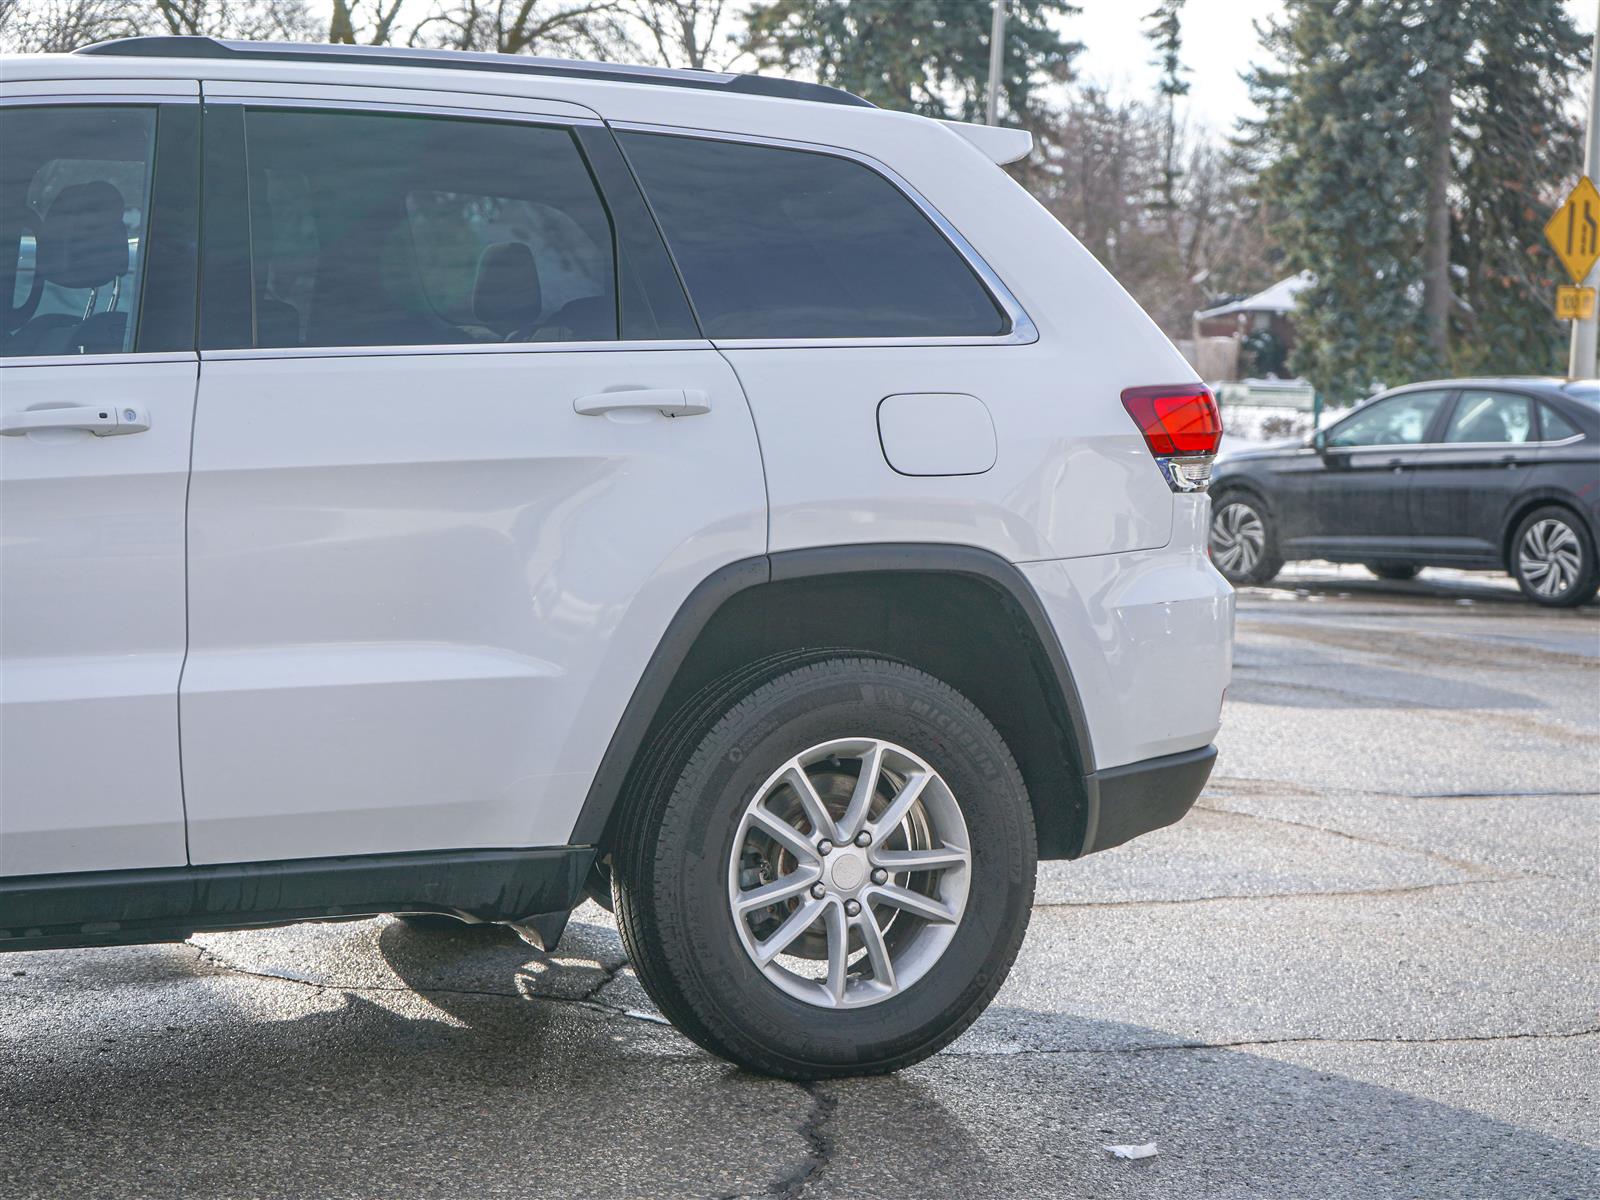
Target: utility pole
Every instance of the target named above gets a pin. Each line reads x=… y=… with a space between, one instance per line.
x=1581 y=363
x=997 y=58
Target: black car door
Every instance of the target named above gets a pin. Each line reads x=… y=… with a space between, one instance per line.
x=1358 y=504
x=1463 y=485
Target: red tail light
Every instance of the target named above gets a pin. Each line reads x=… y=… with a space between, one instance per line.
x=1183 y=428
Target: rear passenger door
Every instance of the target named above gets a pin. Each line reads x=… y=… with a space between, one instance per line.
x=460 y=456
x=1463 y=485
x=97 y=388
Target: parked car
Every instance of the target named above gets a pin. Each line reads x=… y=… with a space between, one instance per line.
x=501 y=480
x=1487 y=474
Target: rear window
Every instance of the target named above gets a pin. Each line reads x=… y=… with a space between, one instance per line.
x=1586 y=390
x=777 y=243
x=1556 y=427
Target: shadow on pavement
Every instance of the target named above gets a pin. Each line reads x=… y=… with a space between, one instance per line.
x=492 y=1081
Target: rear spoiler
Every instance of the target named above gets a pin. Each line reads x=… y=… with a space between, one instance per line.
x=1001 y=145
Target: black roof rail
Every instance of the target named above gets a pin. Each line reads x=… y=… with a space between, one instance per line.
x=460 y=60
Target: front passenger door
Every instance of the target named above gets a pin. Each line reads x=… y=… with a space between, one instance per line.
x=97 y=385
x=1359 y=503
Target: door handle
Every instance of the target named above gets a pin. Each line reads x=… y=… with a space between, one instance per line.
x=101 y=420
x=669 y=402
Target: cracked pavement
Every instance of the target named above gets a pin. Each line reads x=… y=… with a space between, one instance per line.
x=1364 y=966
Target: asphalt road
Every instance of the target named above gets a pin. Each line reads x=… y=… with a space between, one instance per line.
x=1366 y=965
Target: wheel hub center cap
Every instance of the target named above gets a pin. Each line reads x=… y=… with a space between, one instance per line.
x=848 y=871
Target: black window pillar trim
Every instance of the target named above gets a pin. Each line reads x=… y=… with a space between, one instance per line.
x=813 y=562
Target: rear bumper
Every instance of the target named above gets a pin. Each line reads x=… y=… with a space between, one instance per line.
x=1124 y=802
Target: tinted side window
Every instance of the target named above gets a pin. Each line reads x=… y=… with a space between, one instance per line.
x=1397 y=421
x=378 y=230
x=74 y=209
x=1556 y=427
x=1491 y=417
x=779 y=243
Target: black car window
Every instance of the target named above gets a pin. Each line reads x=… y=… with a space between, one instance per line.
x=1490 y=417
x=1396 y=421
x=779 y=243
x=1556 y=427
x=383 y=230
x=74 y=206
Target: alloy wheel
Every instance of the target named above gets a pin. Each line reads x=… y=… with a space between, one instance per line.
x=849 y=873
x=1238 y=537
x=1550 y=557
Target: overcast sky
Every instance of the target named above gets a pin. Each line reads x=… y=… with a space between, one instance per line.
x=1219 y=42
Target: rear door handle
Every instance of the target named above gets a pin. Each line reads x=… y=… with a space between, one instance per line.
x=102 y=421
x=669 y=402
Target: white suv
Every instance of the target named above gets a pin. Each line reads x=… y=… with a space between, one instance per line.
x=454 y=484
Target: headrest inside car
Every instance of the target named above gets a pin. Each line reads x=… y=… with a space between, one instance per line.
x=506 y=295
x=82 y=240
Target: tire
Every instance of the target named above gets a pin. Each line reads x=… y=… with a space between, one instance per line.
x=675 y=875
x=1243 y=543
x=1397 y=572
x=1553 y=558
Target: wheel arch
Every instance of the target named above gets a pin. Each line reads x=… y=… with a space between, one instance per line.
x=980 y=628
x=1529 y=503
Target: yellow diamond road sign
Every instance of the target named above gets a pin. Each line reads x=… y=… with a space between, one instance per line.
x=1574 y=230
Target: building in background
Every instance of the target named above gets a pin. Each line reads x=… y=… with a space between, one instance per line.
x=1249 y=337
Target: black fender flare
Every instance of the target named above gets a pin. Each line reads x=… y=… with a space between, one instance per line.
x=721 y=585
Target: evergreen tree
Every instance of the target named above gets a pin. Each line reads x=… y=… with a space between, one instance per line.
x=1409 y=151
x=1165 y=31
x=926 y=56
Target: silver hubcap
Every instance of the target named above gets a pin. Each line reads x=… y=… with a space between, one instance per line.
x=1550 y=557
x=849 y=873
x=1237 y=538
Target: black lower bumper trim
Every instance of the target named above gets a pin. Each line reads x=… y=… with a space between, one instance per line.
x=1133 y=799
x=39 y=912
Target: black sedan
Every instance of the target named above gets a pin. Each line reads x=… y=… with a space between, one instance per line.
x=1487 y=474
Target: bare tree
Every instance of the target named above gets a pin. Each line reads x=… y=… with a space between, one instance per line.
x=684 y=33
x=51 y=26
x=55 y=26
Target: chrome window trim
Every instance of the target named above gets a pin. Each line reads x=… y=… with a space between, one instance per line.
x=1395 y=447
x=11 y=100
x=119 y=359
x=405 y=108
x=450 y=348
x=1022 y=332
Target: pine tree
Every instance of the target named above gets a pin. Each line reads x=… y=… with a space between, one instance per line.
x=926 y=56
x=1408 y=151
x=1165 y=32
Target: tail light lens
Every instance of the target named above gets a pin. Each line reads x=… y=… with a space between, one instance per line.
x=1182 y=426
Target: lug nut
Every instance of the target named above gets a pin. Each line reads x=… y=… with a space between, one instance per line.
x=824 y=847
x=818 y=890
x=880 y=877
x=863 y=838
x=852 y=908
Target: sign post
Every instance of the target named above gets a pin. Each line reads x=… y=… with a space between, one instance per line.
x=1586 y=330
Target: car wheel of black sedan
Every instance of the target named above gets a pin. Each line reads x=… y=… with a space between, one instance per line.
x=1243 y=547
x=1398 y=572
x=1553 y=559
